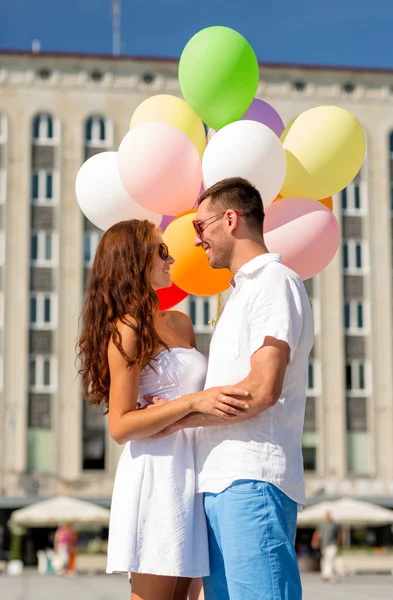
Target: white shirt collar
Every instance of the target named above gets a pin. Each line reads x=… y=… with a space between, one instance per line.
x=253 y=266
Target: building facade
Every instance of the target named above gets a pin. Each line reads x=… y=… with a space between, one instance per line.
x=58 y=110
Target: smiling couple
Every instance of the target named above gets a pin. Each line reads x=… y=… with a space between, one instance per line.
x=211 y=475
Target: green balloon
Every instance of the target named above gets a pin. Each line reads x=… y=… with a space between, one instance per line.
x=218 y=75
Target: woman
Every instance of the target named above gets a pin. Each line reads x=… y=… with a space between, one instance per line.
x=129 y=350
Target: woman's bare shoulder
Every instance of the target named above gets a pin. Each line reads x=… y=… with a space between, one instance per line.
x=182 y=324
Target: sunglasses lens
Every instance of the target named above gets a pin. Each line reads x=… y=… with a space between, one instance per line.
x=163 y=251
x=197 y=227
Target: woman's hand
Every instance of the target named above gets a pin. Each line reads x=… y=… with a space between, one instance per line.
x=218 y=401
x=224 y=401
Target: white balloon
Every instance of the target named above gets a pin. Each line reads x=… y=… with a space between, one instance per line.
x=250 y=150
x=102 y=197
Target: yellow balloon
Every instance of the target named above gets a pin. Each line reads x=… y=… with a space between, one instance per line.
x=325 y=148
x=175 y=111
x=191 y=270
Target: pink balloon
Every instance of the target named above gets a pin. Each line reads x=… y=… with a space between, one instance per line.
x=160 y=168
x=262 y=112
x=304 y=232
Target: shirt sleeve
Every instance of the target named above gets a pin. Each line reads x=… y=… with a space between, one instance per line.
x=277 y=312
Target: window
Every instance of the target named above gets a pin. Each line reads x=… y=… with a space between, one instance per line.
x=354 y=259
x=206 y=312
x=3 y=185
x=309 y=458
x=42 y=373
x=94 y=443
x=43 y=129
x=40 y=411
x=44 y=186
x=43 y=250
x=98 y=132
x=353 y=198
x=313 y=377
x=355 y=376
x=192 y=310
x=310 y=382
x=201 y=311
x=43 y=310
x=90 y=243
x=354 y=316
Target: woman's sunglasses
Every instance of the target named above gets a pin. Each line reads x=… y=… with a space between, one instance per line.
x=163 y=251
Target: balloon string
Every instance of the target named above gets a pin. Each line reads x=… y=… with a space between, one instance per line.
x=219 y=307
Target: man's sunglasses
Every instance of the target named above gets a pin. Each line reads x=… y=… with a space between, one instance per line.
x=163 y=251
x=198 y=224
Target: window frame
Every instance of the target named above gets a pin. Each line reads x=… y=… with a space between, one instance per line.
x=41 y=260
x=353 y=327
x=94 y=239
x=39 y=383
x=40 y=322
x=355 y=389
x=354 y=188
x=352 y=245
x=42 y=182
x=199 y=322
x=98 y=122
x=47 y=121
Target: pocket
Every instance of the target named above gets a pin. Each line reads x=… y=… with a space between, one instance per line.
x=251 y=487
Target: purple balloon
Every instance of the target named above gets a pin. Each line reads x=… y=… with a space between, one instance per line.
x=262 y=112
x=165 y=221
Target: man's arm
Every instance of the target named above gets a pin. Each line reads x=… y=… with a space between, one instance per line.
x=264 y=384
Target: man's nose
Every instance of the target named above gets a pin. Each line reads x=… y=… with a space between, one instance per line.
x=197 y=241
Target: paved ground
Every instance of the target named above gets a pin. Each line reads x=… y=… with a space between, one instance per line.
x=112 y=587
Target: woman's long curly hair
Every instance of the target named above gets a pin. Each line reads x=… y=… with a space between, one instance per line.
x=119 y=287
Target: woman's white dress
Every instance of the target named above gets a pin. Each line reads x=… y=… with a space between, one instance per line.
x=157 y=522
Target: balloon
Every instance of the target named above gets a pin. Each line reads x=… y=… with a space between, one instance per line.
x=250 y=150
x=328 y=202
x=218 y=75
x=304 y=232
x=191 y=271
x=325 y=148
x=102 y=197
x=166 y=219
x=160 y=168
x=262 y=112
x=171 y=296
x=170 y=109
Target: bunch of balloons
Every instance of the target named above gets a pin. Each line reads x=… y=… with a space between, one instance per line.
x=166 y=160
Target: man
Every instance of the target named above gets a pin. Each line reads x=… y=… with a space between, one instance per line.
x=251 y=471
x=327 y=537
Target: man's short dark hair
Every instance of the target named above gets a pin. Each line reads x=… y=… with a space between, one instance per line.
x=239 y=194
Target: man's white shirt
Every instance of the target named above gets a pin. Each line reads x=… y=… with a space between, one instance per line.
x=268 y=300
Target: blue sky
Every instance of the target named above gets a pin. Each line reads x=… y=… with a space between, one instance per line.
x=327 y=32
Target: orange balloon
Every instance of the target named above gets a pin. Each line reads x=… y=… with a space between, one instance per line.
x=328 y=202
x=191 y=271
x=279 y=197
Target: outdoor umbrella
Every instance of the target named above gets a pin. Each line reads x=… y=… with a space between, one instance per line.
x=346 y=512
x=60 y=509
